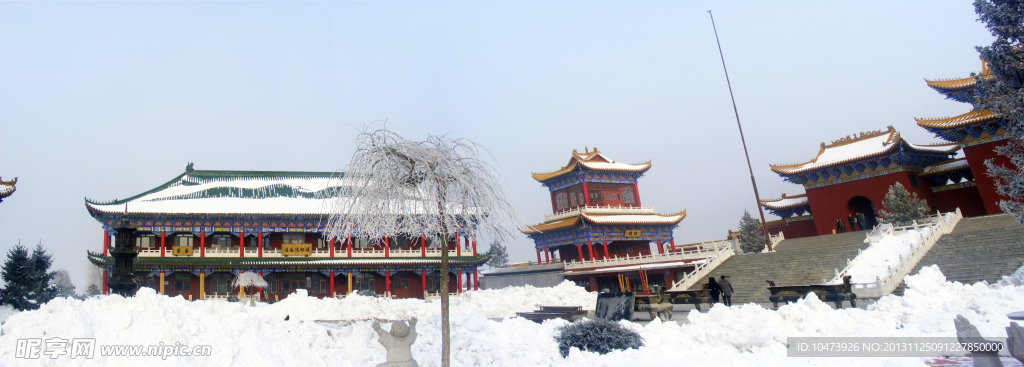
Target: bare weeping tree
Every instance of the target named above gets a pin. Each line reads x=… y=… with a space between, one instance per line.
x=435 y=188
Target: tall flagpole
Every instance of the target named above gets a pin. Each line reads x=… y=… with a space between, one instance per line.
x=764 y=226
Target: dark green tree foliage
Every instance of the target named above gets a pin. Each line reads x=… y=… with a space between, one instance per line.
x=498 y=254
x=17 y=273
x=1003 y=94
x=902 y=208
x=42 y=288
x=751 y=239
x=600 y=336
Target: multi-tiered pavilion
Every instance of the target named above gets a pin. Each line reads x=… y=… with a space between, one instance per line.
x=600 y=230
x=198 y=231
x=978 y=132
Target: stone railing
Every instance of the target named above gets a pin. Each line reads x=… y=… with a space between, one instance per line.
x=700 y=251
x=775 y=241
x=939 y=225
x=720 y=251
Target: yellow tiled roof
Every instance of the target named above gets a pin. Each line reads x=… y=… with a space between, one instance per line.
x=622 y=219
x=592 y=160
x=966 y=119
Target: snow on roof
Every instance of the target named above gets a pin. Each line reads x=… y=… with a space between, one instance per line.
x=672 y=264
x=946 y=166
x=592 y=160
x=232 y=192
x=607 y=219
x=786 y=201
x=859 y=147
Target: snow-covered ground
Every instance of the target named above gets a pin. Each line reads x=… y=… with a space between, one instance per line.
x=876 y=259
x=743 y=335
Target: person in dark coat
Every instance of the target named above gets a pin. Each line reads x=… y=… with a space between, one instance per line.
x=839 y=225
x=726 y=290
x=862 y=220
x=714 y=289
x=853 y=222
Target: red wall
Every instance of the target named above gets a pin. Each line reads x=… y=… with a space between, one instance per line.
x=968 y=199
x=976 y=157
x=830 y=202
x=797 y=229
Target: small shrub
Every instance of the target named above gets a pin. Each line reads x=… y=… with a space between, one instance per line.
x=601 y=336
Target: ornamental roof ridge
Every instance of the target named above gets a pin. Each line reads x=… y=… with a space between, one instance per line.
x=844 y=151
x=589 y=160
x=960 y=83
x=784 y=196
x=945 y=166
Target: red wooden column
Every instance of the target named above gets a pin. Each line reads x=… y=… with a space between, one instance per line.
x=547 y=260
x=538 y=256
x=202 y=243
x=673 y=241
x=579 y=249
x=458 y=249
x=636 y=191
x=458 y=280
x=423 y=279
x=163 y=241
x=661 y=250
x=476 y=281
x=474 y=245
x=332 y=255
x=106 y=290
x=387 y=247
x=349 y=241
x=106 y=244
x=423 y=247
x=605 y=242
x=387 y=283
x=332 y=283
x=241 y=244
x=259 y=245
x=586 y=194
x=259 y=290
x=590 y=250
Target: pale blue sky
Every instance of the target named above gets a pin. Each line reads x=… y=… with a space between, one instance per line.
x=108 y=99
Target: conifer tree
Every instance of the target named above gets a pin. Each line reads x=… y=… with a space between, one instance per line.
x=498 y=254
x=751 y=239
x=17 y=272
x=62 y=282
x=902 y=207
x=1003 y=93
x=41 y=290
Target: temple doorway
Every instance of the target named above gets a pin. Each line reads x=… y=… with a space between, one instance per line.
x=863 y=205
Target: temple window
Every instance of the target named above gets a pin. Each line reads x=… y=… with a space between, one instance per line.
x=294 y=238
x=627 y=196
x=572 y=199
x=222 y=241
x=561 y=201
x=183 y=240
x=145 y=241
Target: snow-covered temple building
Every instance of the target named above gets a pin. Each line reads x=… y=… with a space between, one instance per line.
x=852 y=175
x=200 y=229
x=602 y=234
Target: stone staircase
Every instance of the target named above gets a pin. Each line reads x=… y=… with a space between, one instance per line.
x=808 y=260
x=979 y=248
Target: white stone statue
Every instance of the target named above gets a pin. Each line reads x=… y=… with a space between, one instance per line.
x=398 y=343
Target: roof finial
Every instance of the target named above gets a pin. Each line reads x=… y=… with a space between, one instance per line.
x=586 y=149
x=188 y=168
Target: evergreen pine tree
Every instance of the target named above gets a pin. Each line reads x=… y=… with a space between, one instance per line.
x=17 y=273
x=902 y=208
x=93 y=290
x=1003 y=94
x=498 y=254
x=42 y=290
x=751 y=239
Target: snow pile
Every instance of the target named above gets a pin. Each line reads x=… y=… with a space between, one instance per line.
x=877 y=259
x=485 y=303
x=5 y=312
x=741 y=335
